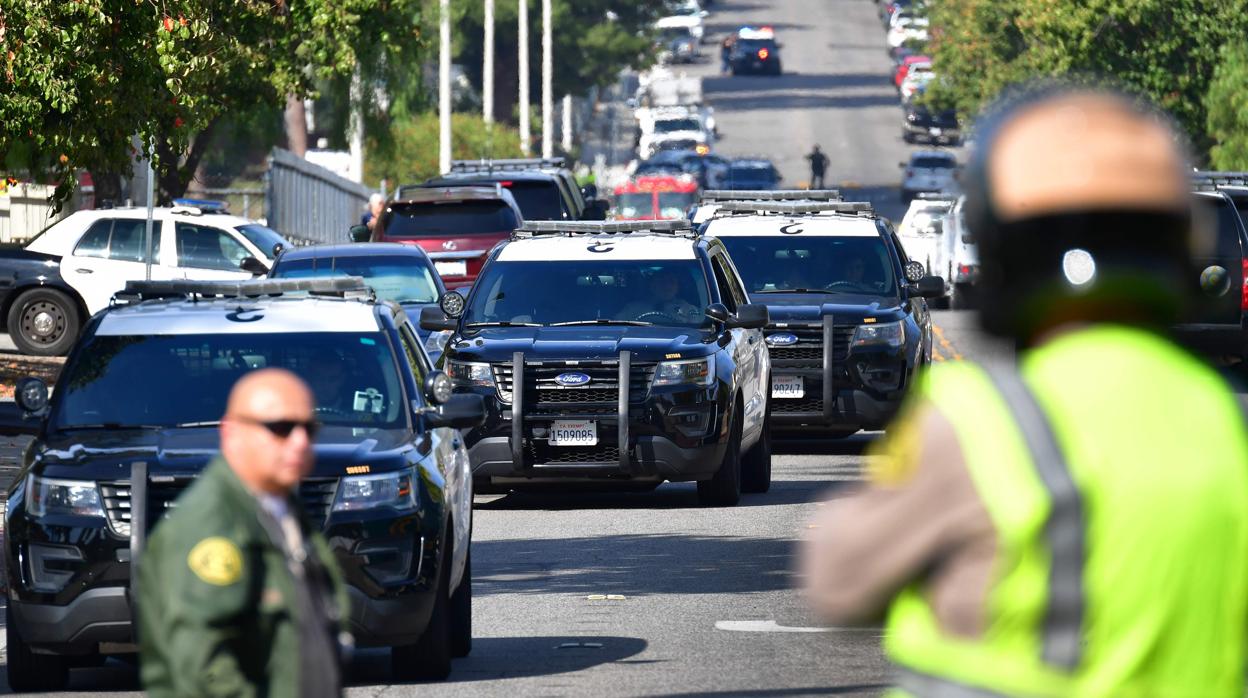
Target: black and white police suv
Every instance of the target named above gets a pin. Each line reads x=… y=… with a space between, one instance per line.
x=620 y=351
x=849 y=321
x=70 y=271
x=134 y=419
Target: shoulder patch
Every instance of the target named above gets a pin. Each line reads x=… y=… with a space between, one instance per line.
x=216 y=560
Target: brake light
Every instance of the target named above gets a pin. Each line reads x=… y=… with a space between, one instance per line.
x=1243 y=296
x=763 y=53
x=504 y=184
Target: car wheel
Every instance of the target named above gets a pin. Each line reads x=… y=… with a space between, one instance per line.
x=429 y=658
x=724 y=490
x=907 y=137
x=44 y=322
x=756 y=464
x=30 y=672
x=461 y=613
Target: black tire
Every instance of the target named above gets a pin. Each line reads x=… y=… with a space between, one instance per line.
x=724 y=490
x=30 y=672
x=461 y=613
x=429 y=658
x=756 y=463
x=907 y=137
x=44 y=322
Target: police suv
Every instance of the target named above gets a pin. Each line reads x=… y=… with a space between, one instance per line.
x=134 y=419
x=621 y=351
x=849 y=323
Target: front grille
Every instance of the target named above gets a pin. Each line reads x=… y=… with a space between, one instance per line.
x=804 y=405
x=317 y=496
x=603 y=388
x=808 y=352
x=541 y=454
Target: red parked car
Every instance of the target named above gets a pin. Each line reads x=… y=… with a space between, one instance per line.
x=456 y=226
x=655 y=197
x=904 y=69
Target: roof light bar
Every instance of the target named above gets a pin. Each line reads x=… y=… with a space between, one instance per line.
x=535 y=228
x=772 y=195
x=506 y=164
x=344 y=286
x=935 y=196
x=856 y=207
x=1204 y=180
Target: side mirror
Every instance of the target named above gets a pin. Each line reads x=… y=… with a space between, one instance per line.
x=752 y=316
x=967 y=239
x=360 y=233
x=434 y=320
x=596 y=210
x=438 y=387
x=589 y=191
x=278 y=248
x=915 y=271
x=928 y=287
x=718 y=312
x=459 y=412
x=251 y=265
x=631 y=102
x=902 y=165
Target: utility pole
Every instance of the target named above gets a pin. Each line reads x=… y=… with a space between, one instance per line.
x=487 y=69
x=444 y=86
x=567 y=123
x=548 y=99
x=526 y=138
x=147 y=226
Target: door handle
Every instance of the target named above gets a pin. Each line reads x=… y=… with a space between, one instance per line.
x=85 y=271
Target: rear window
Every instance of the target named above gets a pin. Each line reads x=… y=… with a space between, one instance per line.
x=756 y=44
x=538 y=201
x=670 y=125
x=1228 y=244
x=424 y=219
x=933 y=162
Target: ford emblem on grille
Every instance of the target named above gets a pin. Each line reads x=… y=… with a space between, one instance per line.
x=572 y=380
x=782 y=340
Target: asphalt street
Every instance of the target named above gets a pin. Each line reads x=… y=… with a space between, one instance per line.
x=647 y=593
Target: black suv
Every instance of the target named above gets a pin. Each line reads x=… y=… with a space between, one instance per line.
x=755 y=51
x=849 y=320
x=545 y=189
x=623 y=351
x=1216 y=324
x=134 y=420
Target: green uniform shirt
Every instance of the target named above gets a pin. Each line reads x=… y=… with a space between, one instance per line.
x=225 y=610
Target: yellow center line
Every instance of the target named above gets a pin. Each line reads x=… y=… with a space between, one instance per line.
x=944 y=342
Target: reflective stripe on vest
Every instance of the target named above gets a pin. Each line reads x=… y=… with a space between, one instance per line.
x=1064 y=529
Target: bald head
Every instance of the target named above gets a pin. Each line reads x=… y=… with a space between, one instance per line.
x=1085 y=151
x=265 y=433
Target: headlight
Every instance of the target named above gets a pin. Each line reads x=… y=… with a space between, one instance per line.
x=691 y=372
x=466 y=373
x=889 y=334
x=436 y=342
x=49 y=497
x=375 y=491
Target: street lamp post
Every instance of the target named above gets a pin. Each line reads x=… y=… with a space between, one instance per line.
x=444 y=86
x=487 y=69
x=526 y=138
x=548 y=99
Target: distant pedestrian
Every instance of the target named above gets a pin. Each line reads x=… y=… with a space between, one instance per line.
x=237 y=595
x=725 y=55
x=818 y=167
x=375 y=204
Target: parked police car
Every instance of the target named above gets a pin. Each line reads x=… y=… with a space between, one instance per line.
x=134 y=419
x=623 y=351
x=849 y=323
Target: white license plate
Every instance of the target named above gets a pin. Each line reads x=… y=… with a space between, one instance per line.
x=574 y=432
x=451 y=268
x=934 y=131
x=788 y=387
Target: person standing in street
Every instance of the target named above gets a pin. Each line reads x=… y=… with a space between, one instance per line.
x=818 y=167
x=236 y=595
x=1074 y=525
x=725 y=55
x=376 y=202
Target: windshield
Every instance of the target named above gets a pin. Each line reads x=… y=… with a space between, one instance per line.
x=170 y=380
x=416 y=220
x=817 y=263
x=671 y=125
x=674 y=204
x=662 y=292
x=401 y=278
x=264 y=238
x=634 y=205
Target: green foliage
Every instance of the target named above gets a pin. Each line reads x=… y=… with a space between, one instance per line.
x=84 y=76
x=1165 y=50
x=410 y=153
x=1228 y=109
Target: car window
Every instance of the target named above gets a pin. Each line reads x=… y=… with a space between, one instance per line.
x=423 y=219
x=265 y=239
x=777 y=264
x=931 y=162
x=94 y=242
x=120 y=239
x=634 y=205
x=538 y=201
x=398 y=278
x=201 y=247
x=1228 y=243
x=415 y=359
x=725 y=289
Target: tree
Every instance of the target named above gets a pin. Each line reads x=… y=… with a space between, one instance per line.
x=1165 y=50
x=83 y=77
x=1228 y=109
x=409 y=152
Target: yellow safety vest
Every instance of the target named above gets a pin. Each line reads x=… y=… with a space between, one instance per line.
x=1114 y=467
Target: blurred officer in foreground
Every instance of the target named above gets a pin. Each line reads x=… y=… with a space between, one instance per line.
x=1075 y=525
x=236 y=595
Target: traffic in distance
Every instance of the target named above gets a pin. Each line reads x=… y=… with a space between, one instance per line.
x=504 y=328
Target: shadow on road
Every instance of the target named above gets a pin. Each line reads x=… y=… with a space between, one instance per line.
x=496 y=658
x=855 y=445
x=792 y=81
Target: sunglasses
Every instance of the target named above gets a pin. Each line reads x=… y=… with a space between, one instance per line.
x=283 y=428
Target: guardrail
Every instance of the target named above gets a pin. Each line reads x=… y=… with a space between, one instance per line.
x=307 y=203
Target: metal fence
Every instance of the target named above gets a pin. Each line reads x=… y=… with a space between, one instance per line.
x=309 y=204
x=25 y=210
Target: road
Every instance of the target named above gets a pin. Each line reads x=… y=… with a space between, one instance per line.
x=643 y=594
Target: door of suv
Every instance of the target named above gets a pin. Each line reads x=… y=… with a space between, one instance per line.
x=209 y=253
x=1225 y=308
x=110 y=253
x=746 y=347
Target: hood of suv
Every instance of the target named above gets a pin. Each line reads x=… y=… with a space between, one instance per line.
x=849 y=309
x=589 y=343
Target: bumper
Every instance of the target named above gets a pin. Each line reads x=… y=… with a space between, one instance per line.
x=96 y=616
x=852 y=410
x=389 y=621
x=652 y=459
x=925 y=135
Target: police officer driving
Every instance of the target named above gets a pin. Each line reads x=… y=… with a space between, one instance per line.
x=238 y=596
x=1074 y=525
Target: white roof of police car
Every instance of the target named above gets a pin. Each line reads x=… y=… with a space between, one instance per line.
x=62 y=236
x=577 y=248
x=258 y=316
x=822 y=225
